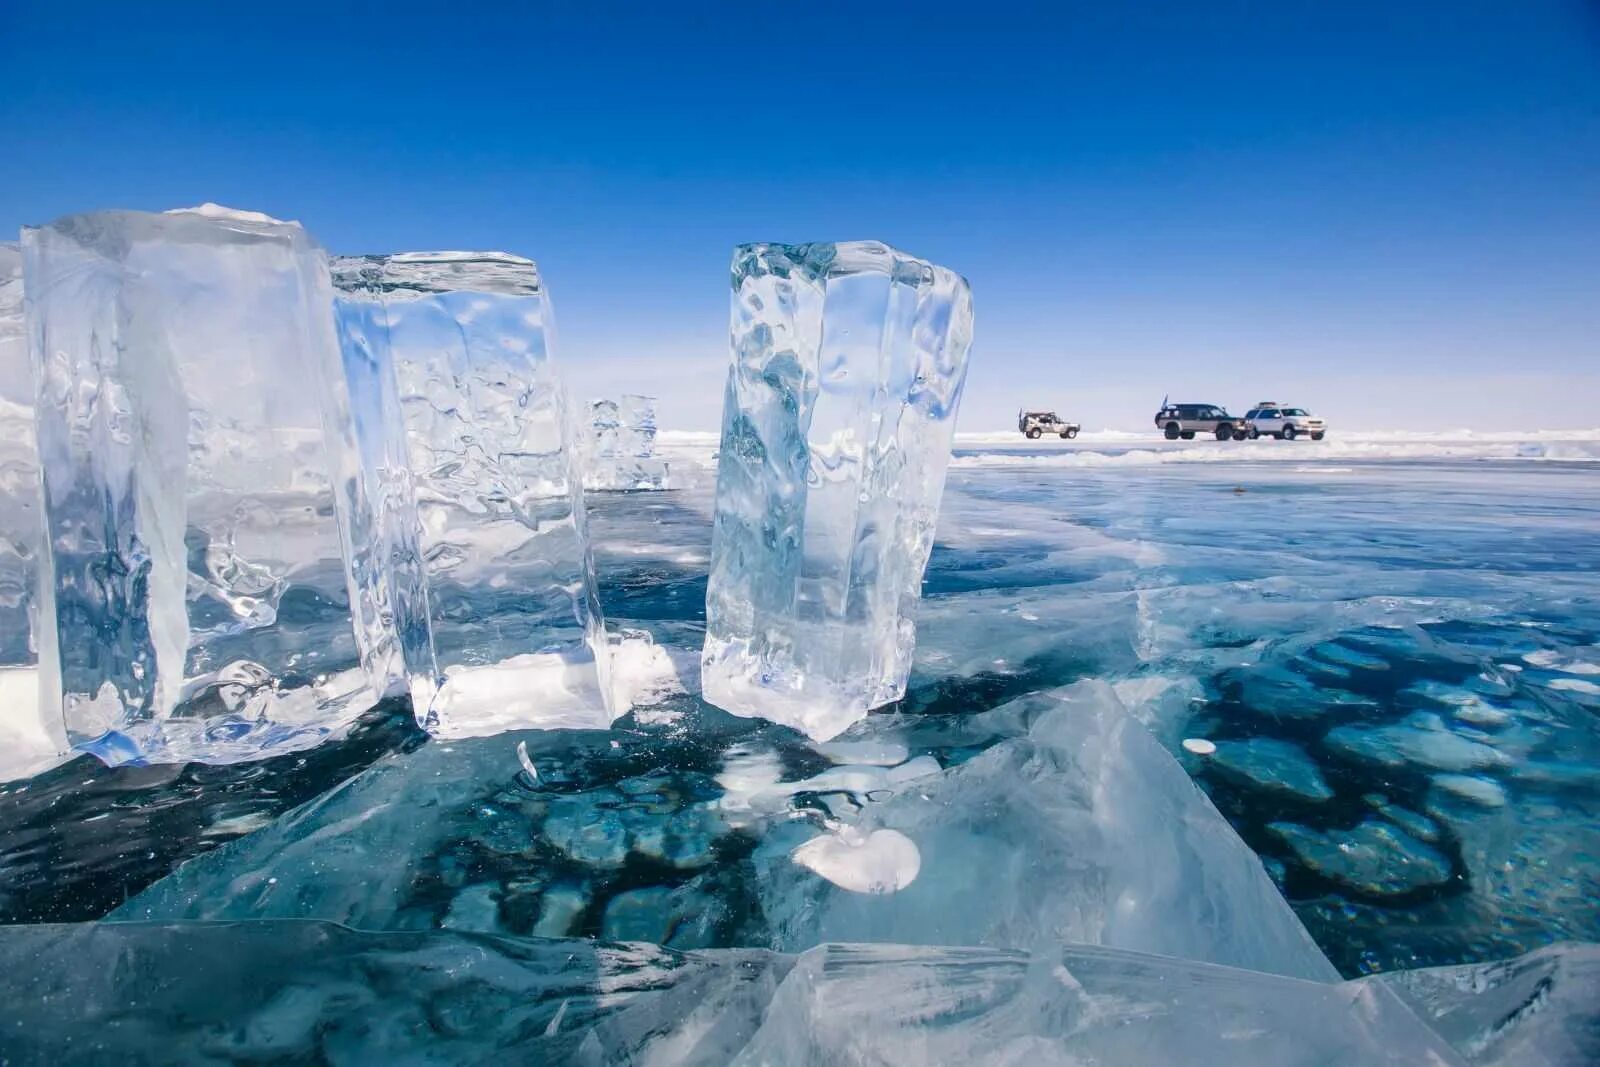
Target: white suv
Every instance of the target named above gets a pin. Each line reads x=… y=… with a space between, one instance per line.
x=1275 y=420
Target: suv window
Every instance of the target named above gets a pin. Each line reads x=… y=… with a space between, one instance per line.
x=1269 y=413
x=1210 y=413
x=1295 y=411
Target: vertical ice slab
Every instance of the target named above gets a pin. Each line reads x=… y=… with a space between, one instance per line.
x=848 y=364
x=448 y=355
x=31 y=737
x=619 y=452
x=19 y=472
x=199 y=489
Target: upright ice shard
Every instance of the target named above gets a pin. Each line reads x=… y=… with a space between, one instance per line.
x=848 y=364
x=620 y=445
x=30 y=727
x=449 y=361
x=199 y=488
x=19 y=471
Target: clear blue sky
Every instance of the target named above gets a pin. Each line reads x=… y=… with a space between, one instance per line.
x=1387 y=211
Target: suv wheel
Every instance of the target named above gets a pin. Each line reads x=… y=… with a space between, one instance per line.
x=1288 y=433
x=1239 y=435
x=1187 y=435
x=1316 y=437
x=1033 y=434
x=1224 y=432
x=1255 y=434
x=1172 y=431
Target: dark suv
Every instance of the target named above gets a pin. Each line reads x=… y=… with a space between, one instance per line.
x=1186 y=420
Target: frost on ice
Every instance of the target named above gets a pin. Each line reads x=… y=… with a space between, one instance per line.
x=848 y=364
x=194 y=437
x=465 y=435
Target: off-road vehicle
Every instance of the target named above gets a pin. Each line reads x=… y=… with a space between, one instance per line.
x=1035 y=424
x=1275 y=420
x=1186 y=420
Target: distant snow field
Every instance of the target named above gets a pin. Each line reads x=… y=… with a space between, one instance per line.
x=998 y=448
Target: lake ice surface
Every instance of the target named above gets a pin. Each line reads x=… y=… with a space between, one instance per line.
x=1392 y=651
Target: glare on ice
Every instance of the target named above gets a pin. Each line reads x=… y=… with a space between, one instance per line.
x=847 y=370
x=465 y=436
x=195 y=443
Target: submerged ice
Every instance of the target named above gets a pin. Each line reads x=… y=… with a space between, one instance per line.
x=1072 y=825
x=847 y=369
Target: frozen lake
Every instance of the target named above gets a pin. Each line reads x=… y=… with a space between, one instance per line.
x=1395 y=658
x=1384 y=658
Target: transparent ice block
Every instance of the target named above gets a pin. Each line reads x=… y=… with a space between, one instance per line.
x=199 y=488
x=31 y=737
x=449 y=358
x=620 y=445
x=848 y=364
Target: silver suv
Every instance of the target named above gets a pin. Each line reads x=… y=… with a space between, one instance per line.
x=1274 y=420
x=1035 y=424
x=1186 y=420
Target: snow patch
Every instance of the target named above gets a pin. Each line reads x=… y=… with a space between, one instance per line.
x=217 y=211
x=884 y=861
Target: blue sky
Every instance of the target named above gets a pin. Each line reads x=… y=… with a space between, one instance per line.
x=1387 y=212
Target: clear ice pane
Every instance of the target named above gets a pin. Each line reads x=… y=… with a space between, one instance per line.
x=197 y=473
x=1072 y=1004
x=1539 y=1008
x=30 y=732
x=620 y=445
x=448 y=355
x=848 y=364
x=1084 y=829
x=321 y=992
